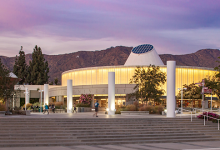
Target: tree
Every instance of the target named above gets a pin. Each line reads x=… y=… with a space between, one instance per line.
x=218 y=69
x=20 y=67
x=56 y=81
x=148 y=83
x=191 y=92
x=38 y=68
x=6 y=84
x=213 y=83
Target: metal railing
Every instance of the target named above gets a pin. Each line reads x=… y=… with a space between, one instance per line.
x=206 y=115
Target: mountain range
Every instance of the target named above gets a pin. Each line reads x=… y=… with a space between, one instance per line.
x=112 y=57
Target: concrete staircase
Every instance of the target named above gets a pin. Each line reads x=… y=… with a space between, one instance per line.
x=15 y=132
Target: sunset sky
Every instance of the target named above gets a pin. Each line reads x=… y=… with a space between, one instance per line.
x=66 y=26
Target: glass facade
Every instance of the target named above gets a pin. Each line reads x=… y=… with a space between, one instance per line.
x=99 y=75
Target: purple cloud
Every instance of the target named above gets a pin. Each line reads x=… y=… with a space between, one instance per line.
x=176 y=27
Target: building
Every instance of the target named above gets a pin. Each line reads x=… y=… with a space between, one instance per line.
x=94 y=80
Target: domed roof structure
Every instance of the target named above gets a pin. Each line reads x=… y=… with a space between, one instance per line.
x=143 y=55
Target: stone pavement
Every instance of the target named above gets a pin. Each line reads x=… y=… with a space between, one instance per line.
x=215 y=145
x=89 y=115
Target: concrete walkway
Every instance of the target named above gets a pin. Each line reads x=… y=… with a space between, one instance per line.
x=215 y=145
x=89 y=115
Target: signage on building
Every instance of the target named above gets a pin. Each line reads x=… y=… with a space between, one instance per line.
x=207 y=90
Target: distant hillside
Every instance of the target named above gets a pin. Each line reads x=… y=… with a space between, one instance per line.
x=115 y=56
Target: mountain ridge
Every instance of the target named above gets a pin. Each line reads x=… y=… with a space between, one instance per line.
x=114 y=56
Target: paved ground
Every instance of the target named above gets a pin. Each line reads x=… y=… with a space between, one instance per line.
x=89 y=115
x=215 y=145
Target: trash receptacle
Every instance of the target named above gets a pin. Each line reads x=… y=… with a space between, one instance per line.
x=82 y=109
x=40 y=109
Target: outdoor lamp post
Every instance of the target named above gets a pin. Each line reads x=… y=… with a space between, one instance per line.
x=182 y=98
x=26 y=94
x=13 y=101
x=41 y=99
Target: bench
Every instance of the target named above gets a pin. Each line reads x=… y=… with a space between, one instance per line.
x=2 y=113
x=134 y=112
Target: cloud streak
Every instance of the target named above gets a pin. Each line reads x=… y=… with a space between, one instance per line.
x=58 y=26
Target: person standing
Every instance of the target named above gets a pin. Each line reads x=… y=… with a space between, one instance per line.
x=96 y=109
x=46 y=108
x=53 y=108
x=74 y=108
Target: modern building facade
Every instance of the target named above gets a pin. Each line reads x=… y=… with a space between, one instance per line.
x=94 y=80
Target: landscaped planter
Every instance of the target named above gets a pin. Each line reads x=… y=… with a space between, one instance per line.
x=60 y=111
x=2 y=113
x=83 y=109
x=21 y=112
x=134 y=112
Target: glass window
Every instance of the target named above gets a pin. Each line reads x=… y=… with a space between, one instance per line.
x=94 y=76
x=89 y=77
x=76 y=78
x=99 y=76
x=105 y=76
x=124 y=75
x=117 y=76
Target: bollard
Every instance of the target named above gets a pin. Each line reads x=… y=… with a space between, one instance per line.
x=204 y=119
x=195 y=113
x=207 y=115
x=218 y=124
x=191 y=116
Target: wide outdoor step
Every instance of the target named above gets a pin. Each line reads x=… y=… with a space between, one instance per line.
x=110 y=130
x=29 y=137
x=98 y=133
x=28 y=144
x=96 y=127
x=97 y=139
x=61 y=131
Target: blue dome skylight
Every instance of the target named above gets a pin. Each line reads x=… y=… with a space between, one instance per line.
x=142 y=49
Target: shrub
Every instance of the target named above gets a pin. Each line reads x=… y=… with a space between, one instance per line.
x=36 y=104
x=136 y=104
x=58 y=103
x=212 y=116
x=2 y=107
x=143 y=108
x=130 y=107
x=85 y=98
x=28 y=106
x=152 y=109
x=118 y=111
x=82 y=105
x=159 y=109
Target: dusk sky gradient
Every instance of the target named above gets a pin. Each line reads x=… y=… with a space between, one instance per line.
x=66 y=26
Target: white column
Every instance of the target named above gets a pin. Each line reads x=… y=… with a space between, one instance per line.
x=13 y=101
x=69 y=96
x=171 y=79
x=111 y=93
x=46 y=94
x=27 y=96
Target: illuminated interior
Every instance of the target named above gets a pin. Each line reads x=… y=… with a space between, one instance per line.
x=99 y=75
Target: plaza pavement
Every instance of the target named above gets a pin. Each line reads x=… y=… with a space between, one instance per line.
x=209 y=145
x=89 y=115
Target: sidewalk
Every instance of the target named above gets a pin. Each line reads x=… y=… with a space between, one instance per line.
x=101 y=114
x=215 y=145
